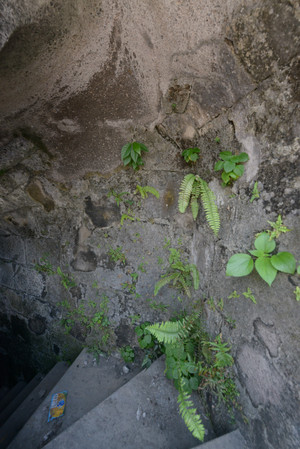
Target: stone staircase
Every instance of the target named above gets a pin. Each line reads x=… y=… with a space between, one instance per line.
x=109 y=407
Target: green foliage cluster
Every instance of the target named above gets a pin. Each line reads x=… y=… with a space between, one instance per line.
x=131 y=154
x=117 y=196
x=266 y=265
x=151 y=346
x=193 y=187
x=191 y=154
x=44 y=266
x=116 y=255
x=231 y=165
x=278 y=228
x=255 y=192
x=194 y=362
x=127 y=354
x=182 y=275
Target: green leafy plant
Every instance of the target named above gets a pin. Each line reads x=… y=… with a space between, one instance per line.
x=194 y=362
x=231 y=165
x=190 y=154
x=234 y=294
x=193 y=187
x=266 y=265
x=66 y=280
x=255 y=192
x=180 y=274
x=297 y=293
x=154 y=305
x=131 y=154
x=129 y=216
x=116 y=255
x=151 y=346
x=127 y=354
x=118 y=196
x=217 y=139
x=44 y=266
x=145 y=190
x=249 y=294
x=278 y=228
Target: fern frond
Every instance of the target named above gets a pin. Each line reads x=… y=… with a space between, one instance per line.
x=189 y=414
x=145 y=190
x=194 y=207
x=184 y=285
x=195 y=275
x=163 y=281
x=211 y=210
x=167 y=332
x=185 y=192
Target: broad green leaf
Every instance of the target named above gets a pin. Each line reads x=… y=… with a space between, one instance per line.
x=219 y=165
x=193 y=157
x=125 y=152
x=229 y=166
x=225 y=155
x=264 y=243
x=265 y=269
x=233 y=175
x=134 y=155
x=257 y=252
x=239 y=265
x=136 y=146
x=243 y=157
x=239 y=170
x=225 y=177
x=127 y=160
x=284 y=262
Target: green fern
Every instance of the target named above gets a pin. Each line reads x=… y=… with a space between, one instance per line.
x=211 y=210
x=189 y=413
x=167 y=332
x=191 y=188
x=145 y=190
x=163 y=281
x=185 y=192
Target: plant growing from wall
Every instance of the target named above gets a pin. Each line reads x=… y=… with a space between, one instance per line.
x=145 y=190
x=255 y=192
x=131 y=154
x=116 y=255
x=194 y=362
x=193 y=187
x=127 y=354
x=191 y=154
x=278 y=228
x=151 y=347
x=182 y=275
x=231 y=165
x=266 y=265
x=117 y=196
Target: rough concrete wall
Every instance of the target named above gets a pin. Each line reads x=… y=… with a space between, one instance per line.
x=80 y=79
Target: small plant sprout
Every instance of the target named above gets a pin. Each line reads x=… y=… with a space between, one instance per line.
x=118 y=196
x=231 y=165
x=217 y=140
x=255 y=192
x=190 y=154
x=278 y=228
x=127 y=354
x=116 y=255
x=265 y=264
x=234 y=294
x=131 y=154
x=249 y=294
x=297 y=293
x=145 y=190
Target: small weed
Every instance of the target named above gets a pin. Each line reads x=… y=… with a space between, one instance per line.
x=142 y=268
x=249 y=294
x=134 y=318
x=118 y=196
x=160 y=261
x=131 y=154
x=255 y=192
x=145 y=190
x=217 y=140
x=297 y=293
x=191 y=154
x=129 y=216
x=220 y=304
x=278 y=228
x=231 y=165
x=234 y=294
x=116 y=255
x=174 y=107
x=152 y=348
x=157 y=305
x=127 y=354
x=44 y=266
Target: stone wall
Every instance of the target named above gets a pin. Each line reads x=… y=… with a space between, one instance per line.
x=79 y=80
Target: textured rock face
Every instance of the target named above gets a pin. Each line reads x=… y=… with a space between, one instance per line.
x=79 y=80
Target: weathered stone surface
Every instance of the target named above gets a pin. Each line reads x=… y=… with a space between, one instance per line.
x=79 y=80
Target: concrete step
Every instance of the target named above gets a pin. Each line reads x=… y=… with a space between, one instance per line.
x=141 y=414
x=232 y=440
x=88 y=384
x=12 y=393
x=14 y=403
x=35 y=391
